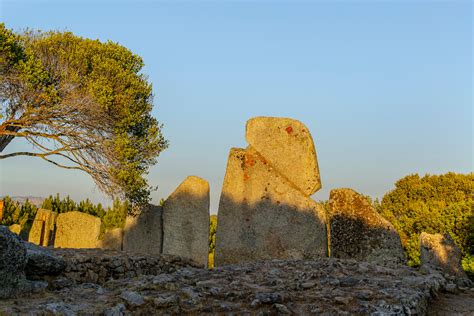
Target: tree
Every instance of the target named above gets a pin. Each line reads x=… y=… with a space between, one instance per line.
x=82 y=104
x=433 y=204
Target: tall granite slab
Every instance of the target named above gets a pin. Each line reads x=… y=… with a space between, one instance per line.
x=186 y=221
x=112 y=239
x=264 y=216
x=143 y=233
x=77 y=230
x=42 y=227
x=288 y=146
x=358 y=232
x=440 y=252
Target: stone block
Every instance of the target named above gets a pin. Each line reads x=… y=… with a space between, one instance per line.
x=42 y=228
x=77 y=230
x=358 y=232
x=264 y=216
x=186 y=221
x=143 y=233
x=288 y=146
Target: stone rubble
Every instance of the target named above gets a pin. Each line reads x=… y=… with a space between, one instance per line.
x=326 y=286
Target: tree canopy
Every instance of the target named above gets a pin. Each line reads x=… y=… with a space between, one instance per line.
x=432 y=204
x=82 y=104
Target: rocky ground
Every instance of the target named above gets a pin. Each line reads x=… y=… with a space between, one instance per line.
x=169 y=285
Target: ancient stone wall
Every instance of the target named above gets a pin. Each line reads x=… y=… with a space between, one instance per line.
x=265 y=211
x=77 y=230
x=186 y=221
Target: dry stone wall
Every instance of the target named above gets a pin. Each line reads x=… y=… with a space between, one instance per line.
x=265 y=211
x=186 y=221
x=358 y=232
x=77 y=230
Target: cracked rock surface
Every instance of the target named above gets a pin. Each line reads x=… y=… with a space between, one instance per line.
x=322 y=286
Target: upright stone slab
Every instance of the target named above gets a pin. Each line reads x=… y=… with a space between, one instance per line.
x=143 y=233
x=1 y=210
x=288 y=146
x=186 y=221
x=263 y=216
x=42 y=227
x=440 y=252
x=358 y=232
x=112 y=239
x=77 y=230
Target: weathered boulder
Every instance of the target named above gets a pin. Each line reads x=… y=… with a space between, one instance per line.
x=42 y=227
x=112 y=239
x=186 y=221
x=12 y=263
x=264 y=216
x=42 y=261
x=77 y=230
x=143 y=233
x=358 y=232
x=288 y=146
x=15 y=228
x=440 y=252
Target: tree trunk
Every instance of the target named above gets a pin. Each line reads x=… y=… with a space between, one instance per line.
x=6 y=139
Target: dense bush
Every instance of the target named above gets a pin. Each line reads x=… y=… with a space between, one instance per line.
x=433 y=204
x=212 y=239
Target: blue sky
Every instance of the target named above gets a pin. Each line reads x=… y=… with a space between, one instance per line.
x=385 y=87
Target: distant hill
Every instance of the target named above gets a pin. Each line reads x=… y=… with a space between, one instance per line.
x=36 y=200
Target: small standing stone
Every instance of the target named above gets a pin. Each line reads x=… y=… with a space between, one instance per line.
x=43 y=225
x=112 y=239
x=143 y=233
x=186 y=221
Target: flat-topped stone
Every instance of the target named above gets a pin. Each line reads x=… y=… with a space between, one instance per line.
x=288 y=146
x=263 y=216
x=358 y=232
x=77 y=230
x=143 y=233
x=186 y=221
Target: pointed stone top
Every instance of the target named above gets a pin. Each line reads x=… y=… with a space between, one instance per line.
x=288 y=146
x=193 y=185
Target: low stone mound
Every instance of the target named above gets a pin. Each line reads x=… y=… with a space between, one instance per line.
x=12 y=263
x=323 y=286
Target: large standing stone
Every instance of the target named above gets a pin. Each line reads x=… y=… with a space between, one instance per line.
x=358 y=232
x=112 y=239
x=440 y=252
x=42 y=227
x=143 y=232
x=186 y=221
x=263 y=216
x=288 y=146
x=77 y=230
x=12 y=263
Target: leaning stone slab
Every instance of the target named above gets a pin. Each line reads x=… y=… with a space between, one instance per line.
x=263 y=216
x=42 y=227
x=112 y=239
x=288 y=146
x=358 y=232
x=186 y=221
x=143 y=232
x=77 y=230
x=440 y=252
